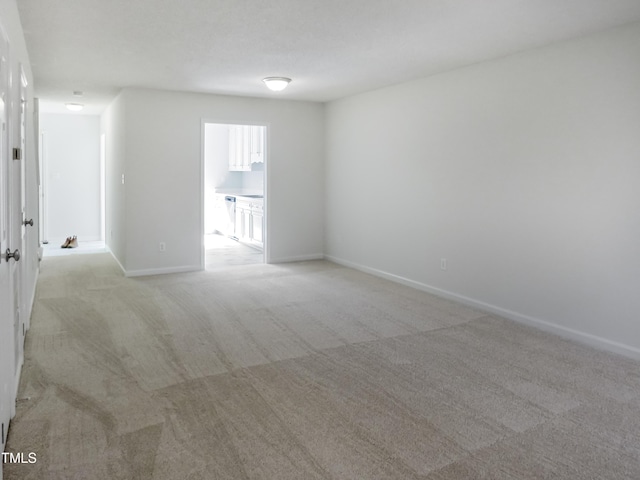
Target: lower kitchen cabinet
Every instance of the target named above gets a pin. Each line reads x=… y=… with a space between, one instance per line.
x=240 y=214
x=257 y=225
x=250 y=221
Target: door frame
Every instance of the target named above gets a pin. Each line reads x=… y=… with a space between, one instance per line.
x=266 y=254
x=25 y=229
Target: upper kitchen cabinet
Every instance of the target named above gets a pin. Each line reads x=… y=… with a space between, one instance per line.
x=246 y=146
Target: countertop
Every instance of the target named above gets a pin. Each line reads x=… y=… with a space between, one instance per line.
x=235 y=193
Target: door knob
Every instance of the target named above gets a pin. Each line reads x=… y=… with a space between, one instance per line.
x=28 y=222
x=15 y=255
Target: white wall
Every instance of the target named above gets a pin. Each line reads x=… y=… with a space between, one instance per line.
x=72 y=184
x=216 y=168
x=522 y=172
x=112 y=125
x=216 y=153
x=163 y=162
x=253 y=181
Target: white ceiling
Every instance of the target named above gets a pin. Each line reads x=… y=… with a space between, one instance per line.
x=330 y=48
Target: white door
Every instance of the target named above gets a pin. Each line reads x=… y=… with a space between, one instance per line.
x=22 y=220
x=14 y=248
x=7 y=400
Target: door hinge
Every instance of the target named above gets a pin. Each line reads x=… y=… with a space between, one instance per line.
x=17 y=154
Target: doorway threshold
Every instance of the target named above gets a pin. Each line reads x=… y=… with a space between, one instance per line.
x=53 y=249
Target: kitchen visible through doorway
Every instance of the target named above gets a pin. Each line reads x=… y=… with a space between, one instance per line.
x=234 y=223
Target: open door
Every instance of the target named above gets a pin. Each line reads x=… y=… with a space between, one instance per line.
x=7 y=398
x=12 y=233
x=14 y=251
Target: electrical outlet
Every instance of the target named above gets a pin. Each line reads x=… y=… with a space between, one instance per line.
x=163 y=246
x=443 y=264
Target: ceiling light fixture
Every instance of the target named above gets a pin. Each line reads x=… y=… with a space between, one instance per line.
x=276 y=83
x=74 y=107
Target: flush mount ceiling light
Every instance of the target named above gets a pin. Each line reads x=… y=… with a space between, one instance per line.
x=276 y=83
x=74 y=107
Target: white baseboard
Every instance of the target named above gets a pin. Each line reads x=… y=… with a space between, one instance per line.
x=569 y=333
x=162 y=271
x=32 y=301
x=299 y=258
x=153 y=271
x=110 y=252
x=16 y=386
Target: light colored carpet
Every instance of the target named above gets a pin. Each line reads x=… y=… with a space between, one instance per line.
x=222 y=252
x=305 y=371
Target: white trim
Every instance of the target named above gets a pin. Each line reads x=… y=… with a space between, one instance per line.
x=16 y=386
x=44 y=185
x=23 y=76
x=103 y=187
x=116 y=259
x=299 y=258
x=32 y=302
x=202 y=182
x=85 y=238
x=569 y=333
x=162 y=271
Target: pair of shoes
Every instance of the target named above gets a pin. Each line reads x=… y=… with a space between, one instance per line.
x=70 y=242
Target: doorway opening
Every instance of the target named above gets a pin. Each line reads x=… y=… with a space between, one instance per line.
x=72 y=183
x=234 y=223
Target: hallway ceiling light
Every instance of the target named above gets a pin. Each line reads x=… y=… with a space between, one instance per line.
x=276 y=83
x=74 y=107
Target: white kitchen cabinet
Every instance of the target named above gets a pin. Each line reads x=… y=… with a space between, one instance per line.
x=246 y=147
x=250 y=221
x=257 y=225
x=257 y=144
x=239 y=159
x=242 y=212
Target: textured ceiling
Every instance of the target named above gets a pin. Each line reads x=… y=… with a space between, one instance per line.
x=330 y=48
